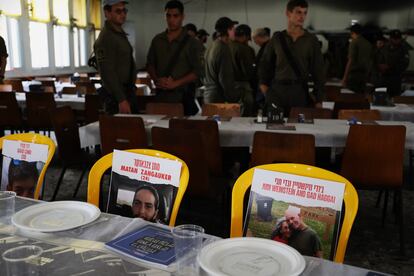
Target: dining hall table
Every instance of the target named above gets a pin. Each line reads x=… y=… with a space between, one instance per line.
x=239 y=131
x=81 y=251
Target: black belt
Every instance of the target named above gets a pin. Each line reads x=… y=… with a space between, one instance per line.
x=288 y=82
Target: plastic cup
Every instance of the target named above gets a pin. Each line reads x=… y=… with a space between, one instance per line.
x=6 y=206
x=23 y=260
x=188 y=239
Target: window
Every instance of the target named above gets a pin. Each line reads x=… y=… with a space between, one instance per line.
x=61 y=38
x=39 y=48
x=61 y=32
x=79 y=47
x=10 y=8
x=10 y=31
x=96 y=14
x=39 y=10
x=79 y=12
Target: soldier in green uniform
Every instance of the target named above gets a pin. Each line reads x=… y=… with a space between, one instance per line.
x=219 y=74
x=116 y=64
x=243 y=66
x=174 y=61
x=279 y=81
x=3 y=59
x=393 y=62
x=359 y=61
x=261 y=37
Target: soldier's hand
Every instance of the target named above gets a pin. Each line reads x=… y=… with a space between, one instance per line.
x=124 y=107
x=263 y=88
x=170 y=83
x=161 y=83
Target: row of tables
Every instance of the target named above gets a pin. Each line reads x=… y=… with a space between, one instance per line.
x=239 y=131
x=81 y=251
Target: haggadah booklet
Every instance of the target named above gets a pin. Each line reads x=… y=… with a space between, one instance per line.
x=302 y=212
x=135 y=175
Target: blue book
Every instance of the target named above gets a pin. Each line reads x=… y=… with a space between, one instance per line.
x=151 y=244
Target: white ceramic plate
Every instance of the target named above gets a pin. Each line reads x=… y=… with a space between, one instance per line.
x=250 y=256
x=55 y=216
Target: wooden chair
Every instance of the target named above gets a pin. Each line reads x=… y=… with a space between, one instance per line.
x=350 y=199
x=104 y=163
x=352 y=104
x=169 y=109
x=85 y=88
x=310 y=113
x=146 y=81
x=70 y=152
x=122 y=133
x=92 y=108
x=332 y=92
x=271 y=147
x=69 y=90
x=49 y=86
x=211 y=139
x=10 y=113
x=38 y=109
x=360 y=114
x=37 y=139
x=6 y=88
x=16 y=84
x=403 y=99
x=225 y=110
x=187 y=145
x=373 y=159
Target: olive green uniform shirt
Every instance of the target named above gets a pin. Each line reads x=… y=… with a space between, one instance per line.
x=275 y=68
x=397 y=58
x=243 y=61
x=188 y=61
x=116 y=64
x=219 y=75
x=360 y=52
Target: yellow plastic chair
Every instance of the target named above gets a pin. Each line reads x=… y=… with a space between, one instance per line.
x=37 y=139
x=105 y=162
x=350 y=199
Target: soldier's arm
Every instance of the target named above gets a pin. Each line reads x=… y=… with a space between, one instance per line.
x=351 y=54
x=266 y=67
x=248 y=62
x=226 y=77
x=317 y=72
x=106 y=58
x=151 y=62
x=3 y=63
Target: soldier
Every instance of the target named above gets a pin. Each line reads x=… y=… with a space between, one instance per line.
x=359 y=61
x=219 y=75
x=191 y=29
x=116 y=64
x=202 y=35
x=174 y=61
x=289 y=58
x=394 y=61
x=3 y=59
x=261 y=38
x=243 y=66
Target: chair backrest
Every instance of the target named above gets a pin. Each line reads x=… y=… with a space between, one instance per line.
x=352 y=104
x=222 y=109
x=105 y=162
x=67 y=134
x=69 y=90
x=6 y=88
x=350 y=199
x=38 y=139
x=170 y=109
x=146 y=81
x=271 y=147
x=121 y=133
x=374 y=155
x=211 y=139
x=38 y=108
x=92 y=108
x=85 y=88
x=187 y=145
x=403 y=99
x=332 y=92
x=16 y=84
x=360 y=114
x=49 y=86
x=10 y=113
x=310 y=113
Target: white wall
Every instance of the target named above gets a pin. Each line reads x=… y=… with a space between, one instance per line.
x=149 y=17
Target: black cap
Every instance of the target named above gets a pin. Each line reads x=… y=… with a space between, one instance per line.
x=223 y=24
x=396 y=34
x=202 y=32
x=356 y=28
x=191 y=27
x=243 y=30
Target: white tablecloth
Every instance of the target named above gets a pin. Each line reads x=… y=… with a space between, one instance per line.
x=77 y=103
x=239 y=131
x=80 y=251
x=399 y=112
